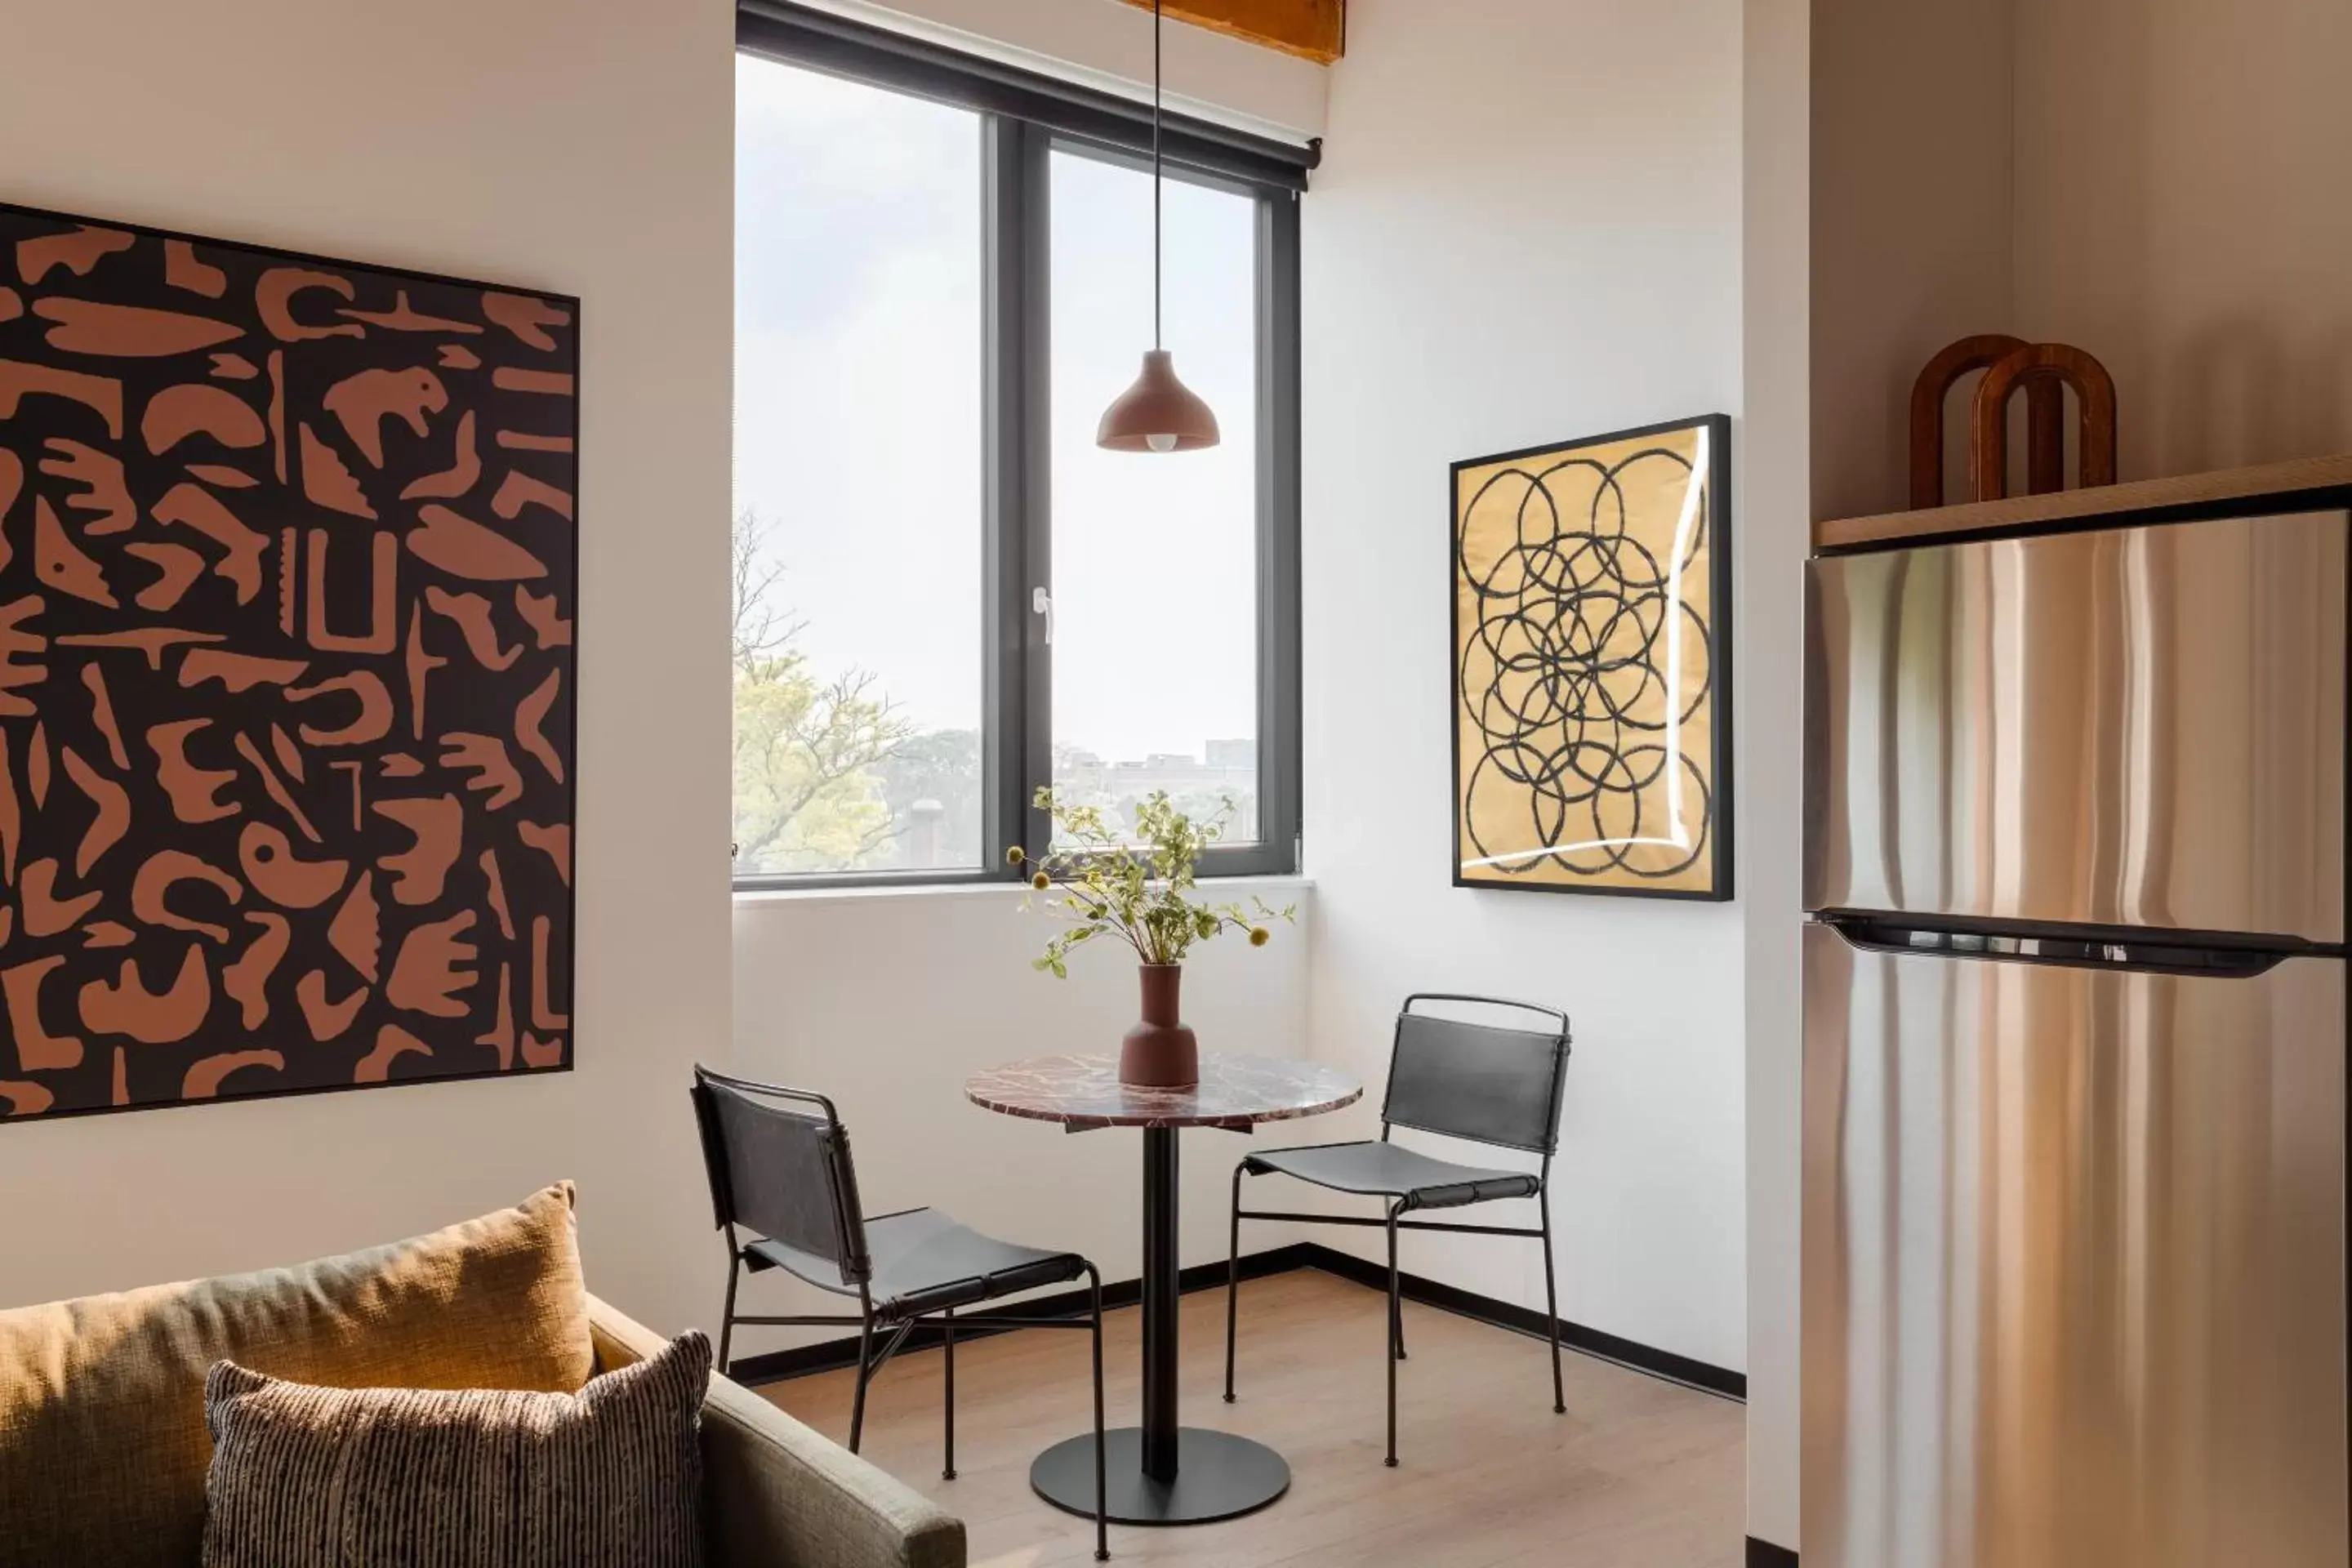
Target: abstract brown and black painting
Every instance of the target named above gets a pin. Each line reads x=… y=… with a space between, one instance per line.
x=287 y=581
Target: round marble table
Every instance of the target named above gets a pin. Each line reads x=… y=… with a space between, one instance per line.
x=1161 y=1472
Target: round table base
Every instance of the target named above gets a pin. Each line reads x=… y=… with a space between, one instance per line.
x=1220 y=1475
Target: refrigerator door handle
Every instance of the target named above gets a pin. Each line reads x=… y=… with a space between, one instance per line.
x=2134 y=952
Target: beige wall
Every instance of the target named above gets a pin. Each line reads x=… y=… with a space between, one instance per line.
x=584 y=147
x=2184 y=211
x=2160 y=182
x=1911 y=229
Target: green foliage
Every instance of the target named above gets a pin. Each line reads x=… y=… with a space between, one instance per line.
x=806 y=793
x=1137 y=890
x=804 y=796
x=941 y=765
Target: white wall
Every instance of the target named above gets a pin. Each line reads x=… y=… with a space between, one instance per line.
x=1532 y=225
x=1774 y=529
x=1527 y=227
x=586 y=148
x=887 y=1000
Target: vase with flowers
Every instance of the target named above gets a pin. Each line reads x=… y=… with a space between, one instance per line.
x=1135 y=884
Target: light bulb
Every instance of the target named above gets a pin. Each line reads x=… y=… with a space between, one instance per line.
x=1160 y=443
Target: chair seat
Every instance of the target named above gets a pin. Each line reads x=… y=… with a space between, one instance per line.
x=1387 y=1170
x=927 y=1261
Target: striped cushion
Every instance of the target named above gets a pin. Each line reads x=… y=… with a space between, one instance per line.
x=319 y=1478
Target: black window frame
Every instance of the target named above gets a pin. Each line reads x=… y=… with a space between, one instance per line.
x=1025 y=117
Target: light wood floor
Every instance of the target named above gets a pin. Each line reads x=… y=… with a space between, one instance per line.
x=1639 y=1473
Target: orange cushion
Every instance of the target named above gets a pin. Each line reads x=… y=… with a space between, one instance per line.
x=102 y=1441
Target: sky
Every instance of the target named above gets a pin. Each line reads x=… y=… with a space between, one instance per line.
x=857 y=416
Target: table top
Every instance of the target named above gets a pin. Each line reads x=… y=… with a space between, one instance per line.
x=1235 y=1092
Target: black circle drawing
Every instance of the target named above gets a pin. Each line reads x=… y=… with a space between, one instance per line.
x=1564 y=676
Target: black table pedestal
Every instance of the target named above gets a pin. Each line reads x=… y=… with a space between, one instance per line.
x=1160 y=1472
x=1219 y=1476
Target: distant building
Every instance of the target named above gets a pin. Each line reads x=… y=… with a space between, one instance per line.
x=1196 y=786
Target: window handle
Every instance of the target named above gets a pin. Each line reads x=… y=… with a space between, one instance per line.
x=1041 y=603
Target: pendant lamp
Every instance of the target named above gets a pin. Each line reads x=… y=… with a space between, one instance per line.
x=1159 y=413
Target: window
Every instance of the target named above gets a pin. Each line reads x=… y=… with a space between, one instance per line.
x=946 y=595
x=1135 y=614
x=858 y=697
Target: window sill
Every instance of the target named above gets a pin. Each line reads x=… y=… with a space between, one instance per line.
x=757 y=898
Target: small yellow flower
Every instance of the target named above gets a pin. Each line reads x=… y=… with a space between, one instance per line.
x=1260 y=936
x=1016 y=855
x=1041 y=881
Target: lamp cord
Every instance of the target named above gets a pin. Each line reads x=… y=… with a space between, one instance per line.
x=1156 y=241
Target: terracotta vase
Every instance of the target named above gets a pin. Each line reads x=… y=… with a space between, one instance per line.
x=1159 y=1052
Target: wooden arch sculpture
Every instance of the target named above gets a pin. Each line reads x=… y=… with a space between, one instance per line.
x=2045 y=369
x=2043 y=365
x=2044 y=405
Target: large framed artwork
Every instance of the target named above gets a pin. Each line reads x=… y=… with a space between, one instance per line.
x=1592 y=664
x=287 y=679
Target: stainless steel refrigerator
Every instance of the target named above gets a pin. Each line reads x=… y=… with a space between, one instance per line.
x=2074 y=1123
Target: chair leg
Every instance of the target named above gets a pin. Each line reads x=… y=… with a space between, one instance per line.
x=864 y=1372
x=1395 y=1341
x=1232 y=1283
x=727 y=1317
x=947 y=1473
x=1551 y=1309
x=1102 y=1484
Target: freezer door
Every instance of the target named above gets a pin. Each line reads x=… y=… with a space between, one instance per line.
x=2073 y=1265
x=2140 y=727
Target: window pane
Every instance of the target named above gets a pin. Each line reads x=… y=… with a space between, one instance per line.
x=1155 y=556
x=857 y=677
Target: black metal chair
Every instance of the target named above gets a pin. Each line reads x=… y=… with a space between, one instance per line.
x=779 y=1167
x=1474 y=1082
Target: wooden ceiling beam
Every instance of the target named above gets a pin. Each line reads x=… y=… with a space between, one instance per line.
x=1312 y=30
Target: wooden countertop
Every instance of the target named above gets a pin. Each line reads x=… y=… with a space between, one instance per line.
x=2140 y=495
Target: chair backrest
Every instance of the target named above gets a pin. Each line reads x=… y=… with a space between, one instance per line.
x=778 y=1164
x=1485 y=1082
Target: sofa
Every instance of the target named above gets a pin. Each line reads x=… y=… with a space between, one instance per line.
x=102 y=1441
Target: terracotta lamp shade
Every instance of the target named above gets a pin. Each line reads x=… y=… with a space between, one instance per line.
x=1157 y=413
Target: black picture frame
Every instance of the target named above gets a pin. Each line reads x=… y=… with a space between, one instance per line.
x=1720 y=843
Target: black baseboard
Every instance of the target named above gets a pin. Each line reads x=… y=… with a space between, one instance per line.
x=832 y=1355
x=1625 y=1353
x=1764 y=1554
